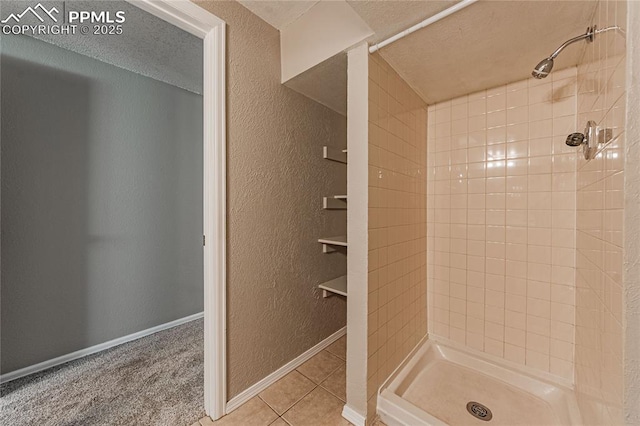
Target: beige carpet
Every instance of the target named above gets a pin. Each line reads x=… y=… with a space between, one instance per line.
x=156 y=380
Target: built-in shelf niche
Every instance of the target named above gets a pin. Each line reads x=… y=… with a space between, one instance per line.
x=336 y=286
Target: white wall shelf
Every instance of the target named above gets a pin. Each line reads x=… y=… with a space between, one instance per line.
x=329 y=243
x=334 y=154
x=340 y=240
x=337 y=202
x=334 y=286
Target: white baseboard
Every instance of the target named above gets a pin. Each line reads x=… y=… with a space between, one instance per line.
x=353 y=416
x=94 y=349
x=255 y=389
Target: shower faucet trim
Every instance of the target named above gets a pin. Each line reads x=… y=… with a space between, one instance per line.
x=593 y=137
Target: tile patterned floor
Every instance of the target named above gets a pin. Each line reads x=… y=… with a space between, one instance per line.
x=311 y=395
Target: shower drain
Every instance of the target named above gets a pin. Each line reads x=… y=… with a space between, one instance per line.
x=479 y=411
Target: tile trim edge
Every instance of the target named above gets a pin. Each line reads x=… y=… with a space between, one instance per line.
x=261 y=385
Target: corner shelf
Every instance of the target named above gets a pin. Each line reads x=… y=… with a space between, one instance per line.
x=334 y=286
x=337 y=202
x=334 y=154
x=327 y=243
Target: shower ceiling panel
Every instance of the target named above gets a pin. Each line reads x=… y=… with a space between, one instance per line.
x=487 y=44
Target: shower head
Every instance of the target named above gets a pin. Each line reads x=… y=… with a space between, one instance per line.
x=543 y=68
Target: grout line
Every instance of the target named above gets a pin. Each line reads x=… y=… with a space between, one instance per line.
x=332 y=371
x=328 y=389
x=315 y=386
x=295 y=403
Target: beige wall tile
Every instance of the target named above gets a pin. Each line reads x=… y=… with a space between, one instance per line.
x=598 y=324
x=494 y=254
x=397 y=216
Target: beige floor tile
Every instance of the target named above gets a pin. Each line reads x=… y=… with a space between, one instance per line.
x=339 y=348
x=279 y=422
x=320 y=366
x=336 y=383
x=252 y=413
x=319 y=408
x=206 y=421
x=196 y=424
x=284 y=393
x=378 y=422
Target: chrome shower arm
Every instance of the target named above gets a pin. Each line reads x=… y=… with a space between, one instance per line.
x=588 y=35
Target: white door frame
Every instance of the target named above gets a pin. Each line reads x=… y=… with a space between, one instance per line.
x=197 y=21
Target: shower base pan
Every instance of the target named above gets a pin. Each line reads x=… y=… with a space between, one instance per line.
x=441 y=385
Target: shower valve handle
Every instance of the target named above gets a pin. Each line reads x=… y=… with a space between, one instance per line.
x=575 y=139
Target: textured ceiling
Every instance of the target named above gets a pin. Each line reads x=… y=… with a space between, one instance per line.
x=278 y=13
x=148 y=46
x=484 y=45
x=488 y=44
x=389 y=17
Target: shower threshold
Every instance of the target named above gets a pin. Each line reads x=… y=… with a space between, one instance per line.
x=442 y=385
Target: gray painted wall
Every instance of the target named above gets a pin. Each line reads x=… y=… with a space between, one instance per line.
x=101 y=202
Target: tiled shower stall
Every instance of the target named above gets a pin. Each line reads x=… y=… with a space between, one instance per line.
x=502 y=203
x=522 y=248
x=525 y=235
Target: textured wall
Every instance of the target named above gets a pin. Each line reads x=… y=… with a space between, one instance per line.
x=276 y=180
x=101 y=202
x=600 y=217
x=397 y=301
x=502 y=221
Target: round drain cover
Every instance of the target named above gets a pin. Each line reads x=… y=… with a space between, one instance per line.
x=479 y=411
